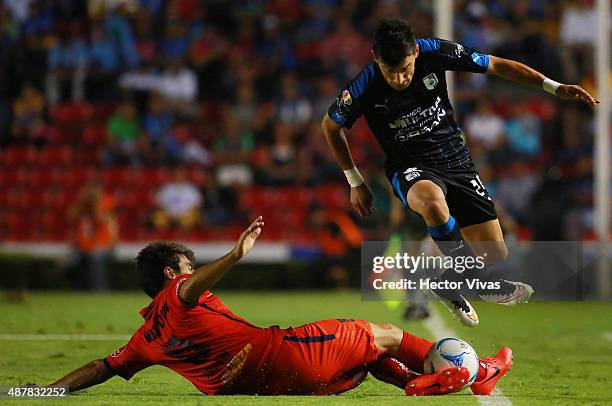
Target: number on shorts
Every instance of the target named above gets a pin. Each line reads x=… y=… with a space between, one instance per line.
x=480 y=189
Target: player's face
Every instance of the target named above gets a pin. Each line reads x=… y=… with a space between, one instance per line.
x=400 y=76
x=185 y=266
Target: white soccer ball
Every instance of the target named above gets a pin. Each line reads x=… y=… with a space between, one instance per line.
x=452 y=352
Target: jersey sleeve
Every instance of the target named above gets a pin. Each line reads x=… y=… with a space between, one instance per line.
x=349 y=104
x=454 y=56
x=127 y=360
x=172 y=293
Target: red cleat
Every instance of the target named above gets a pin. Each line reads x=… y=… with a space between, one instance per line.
x=440 y=383
x=495 y=368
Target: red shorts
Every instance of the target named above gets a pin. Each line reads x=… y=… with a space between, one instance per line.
x=322 y=358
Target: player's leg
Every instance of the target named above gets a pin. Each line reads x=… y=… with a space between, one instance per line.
x=481 y=235
x=481 y=229
x=403 y=354
x=487 y=238
x=427 y=198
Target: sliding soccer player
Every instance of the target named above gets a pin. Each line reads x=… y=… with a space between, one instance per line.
x=191 y=331
x=404 y=99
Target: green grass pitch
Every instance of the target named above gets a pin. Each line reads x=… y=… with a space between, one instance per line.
x=562 y=350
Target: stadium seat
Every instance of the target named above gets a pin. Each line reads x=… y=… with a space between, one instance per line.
x=53 y=156
x=332 y=196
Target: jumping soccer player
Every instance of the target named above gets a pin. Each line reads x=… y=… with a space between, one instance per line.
x=189 y=330
x=404 y=99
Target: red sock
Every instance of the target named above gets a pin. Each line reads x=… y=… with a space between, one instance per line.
x=391 y=370
x=412 y=351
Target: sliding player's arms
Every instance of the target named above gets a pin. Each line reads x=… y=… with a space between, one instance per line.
x=90 y=374
x=208 y=275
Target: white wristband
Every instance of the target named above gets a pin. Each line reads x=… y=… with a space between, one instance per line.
x=550 y=86
x=353 y=177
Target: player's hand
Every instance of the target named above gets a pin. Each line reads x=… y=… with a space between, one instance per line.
x=576 y=93
x=248 y=237
x=362 y=200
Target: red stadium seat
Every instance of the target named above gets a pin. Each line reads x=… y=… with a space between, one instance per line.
x=55 y=156
x=94 y=136
x=333 y=196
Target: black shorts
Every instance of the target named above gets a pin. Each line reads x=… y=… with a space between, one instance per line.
x=467 y=198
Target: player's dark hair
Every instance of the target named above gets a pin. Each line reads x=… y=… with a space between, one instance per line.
x=152 y=260
x=393 y=41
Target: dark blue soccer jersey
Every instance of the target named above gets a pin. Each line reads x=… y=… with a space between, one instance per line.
x=414 y=126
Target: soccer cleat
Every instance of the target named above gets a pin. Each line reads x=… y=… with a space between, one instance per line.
x=495 y=367
x=457 y=304
x=439 y=383
x=510 y=293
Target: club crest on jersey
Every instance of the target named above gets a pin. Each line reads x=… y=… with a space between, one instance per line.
x=346 y=97
x=430 y=81
x=412 y=173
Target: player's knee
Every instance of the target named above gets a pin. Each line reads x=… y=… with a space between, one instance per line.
x=435 y=211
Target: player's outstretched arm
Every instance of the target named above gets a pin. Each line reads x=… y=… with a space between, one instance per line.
x=523 y=74
x=361 y=195
x=90 y=374
x=208 y=275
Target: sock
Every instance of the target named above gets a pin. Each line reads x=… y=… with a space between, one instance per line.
x=454 y=245
x=390 y=370
x=449 y=234
x=412 y=351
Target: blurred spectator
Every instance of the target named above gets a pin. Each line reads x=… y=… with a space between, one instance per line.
x=340 y=240
x=157 y=120
x=346 y=46
x=39 y=20
x=515 y=190
x=96 y=235
x=28 y=112
x=578 y=36
x=178 y=203
x=523 y=132
x=179 y=87
x=293 y=107
x=279 y=164
x=314 y=160
x=19 y=9
x=484 y=127
x=175 y=44
x=233 y=154
x=103 y=65
x=67 y=63
x=123 y=130
x=246 y=106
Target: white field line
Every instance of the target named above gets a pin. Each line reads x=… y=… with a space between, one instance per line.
x=64 y=337
x=607 y=335
x=435 y=324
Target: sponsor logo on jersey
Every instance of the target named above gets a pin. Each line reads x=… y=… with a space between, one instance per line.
x=346 y=97
x=430 y=81
x=234 y=367
x=418 y=122
x=412 y=173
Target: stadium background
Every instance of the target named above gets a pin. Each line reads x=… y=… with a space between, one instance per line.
x=103 y=104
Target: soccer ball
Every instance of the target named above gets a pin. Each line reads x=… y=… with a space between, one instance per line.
x=451 y=352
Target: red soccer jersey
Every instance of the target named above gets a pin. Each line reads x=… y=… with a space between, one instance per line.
x=206 y=343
